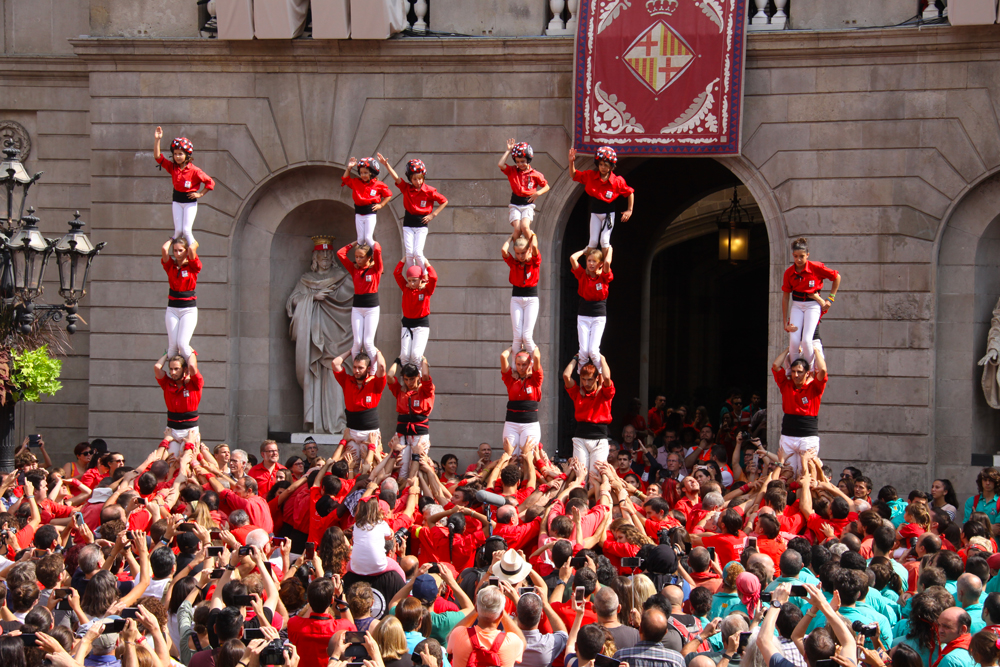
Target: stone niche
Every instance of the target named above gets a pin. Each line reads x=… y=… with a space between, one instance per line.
x=825 y=15
x=143 y=18
x=291 y=254
x=510 y=18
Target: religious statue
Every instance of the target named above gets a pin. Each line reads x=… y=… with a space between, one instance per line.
x=320 y=309
x=991 y=362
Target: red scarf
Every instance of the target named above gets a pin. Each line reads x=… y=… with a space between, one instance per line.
x=701 y=577
x=962 y=641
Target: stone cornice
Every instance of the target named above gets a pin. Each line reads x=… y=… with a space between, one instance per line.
x=44 y=70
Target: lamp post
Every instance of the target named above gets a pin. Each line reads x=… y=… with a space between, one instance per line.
x=734 y=232
x=24 y=253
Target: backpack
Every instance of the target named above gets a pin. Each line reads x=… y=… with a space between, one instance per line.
x=689 y=632
x=482 y=657
x=975 y=504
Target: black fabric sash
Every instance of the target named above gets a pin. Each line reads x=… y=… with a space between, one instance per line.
x=365 y=300
x=593 y=308
x=522 y=412
x=412 y=424
x=590 y=431
x=799 y=426
x=182 y=420
x=362 y=420
x=367 y=209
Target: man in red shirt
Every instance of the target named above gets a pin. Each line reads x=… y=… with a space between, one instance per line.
x=182 y=393
x=266 y=472
x=362 y=393
x=416 y=324
x=414 y=404
x=800 y=399
x=836 y=516
x=524 y=391
x=655 y=420
x=243 y=496
x=729 y=543
x=311 y=635
x=592 y=409
x=106 y=465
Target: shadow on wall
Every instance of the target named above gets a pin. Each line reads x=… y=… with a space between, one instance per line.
x=291 y=254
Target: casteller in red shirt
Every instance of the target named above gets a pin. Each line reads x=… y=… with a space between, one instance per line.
x=606 y=191
x=416 y=302
x=524 y=183
x=365 y=280
x=182 y=399
x=809 y=280
x=187 y=178
x=366 y=193
x=183 y=281
x=804 y=400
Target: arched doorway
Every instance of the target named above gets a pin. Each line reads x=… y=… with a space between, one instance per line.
x=666 y=188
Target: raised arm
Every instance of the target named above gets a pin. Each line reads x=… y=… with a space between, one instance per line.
x=165 y=250
x=568 y=374
x=574 y=259
x=572 y=162
x=820 y=364
x=607 y=257
x=605 y=370
x=505 y=360
x=779 y=360
x=350 y=165
x=338 y=363
x=392 y=172
x=158 y=367
x=502 y=164
x=157 y=135
x=380 y=372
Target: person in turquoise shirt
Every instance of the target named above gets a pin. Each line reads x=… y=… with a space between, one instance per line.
x=726 y=597
x=953 y=636
x=791 y=571
x=871 y=598
x=969 y=589
x=986 y=501
x=917 y=629
x=850 y=584
x=897 y=506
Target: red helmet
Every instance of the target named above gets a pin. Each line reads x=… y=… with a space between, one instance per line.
x=606 y=153
x=415 y=167
x=371 y=163
x=183 y=144
x=522 y=149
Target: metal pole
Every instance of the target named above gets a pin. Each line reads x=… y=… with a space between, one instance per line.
x=7 y=444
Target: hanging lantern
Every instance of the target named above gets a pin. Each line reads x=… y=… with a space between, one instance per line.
x=734 y=232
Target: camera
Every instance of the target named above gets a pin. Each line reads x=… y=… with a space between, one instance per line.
x=765 y=596
x=245 y=551
x=870 y=630
x=401 y=534
x=634 y=561
x=273 y=653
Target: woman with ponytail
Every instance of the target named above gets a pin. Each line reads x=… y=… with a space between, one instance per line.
x=802 y=285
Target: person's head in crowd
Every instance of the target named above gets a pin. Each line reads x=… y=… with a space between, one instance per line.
x=46 y=538
x=653 y=625
x=991 y=609
x=334 y=549
x=818 y=645
x=924 y=611
x=790 y=562
x=238 y=460
x=733 y=624
x=296 y=465
x=411 y=613
x=90 y=559
x=50 y=570
x=23 y=597
x=886 y=578
x=952 y=624
x=968 y=588
x=862 y=487
x=590 y=642
x=918 y=496
x=730 y=522
x=930 y=577
x=230 y=654
x=162 y=561
x=184 y=587
x=701 y=601
x=944 y=490
x=360 y=599
x=927 y=544
x=699 y=560
x=951 y=563
x=987 y=482
x=12 y=651
x=238 y=519
x=101 y=592
x=320 y=594
x=788 y=617
x=229 y=623
x=529 y=611
x=984 y=647
x=977 y=565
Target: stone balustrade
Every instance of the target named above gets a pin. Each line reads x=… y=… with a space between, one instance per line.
x=416 y=13
x=768 y=14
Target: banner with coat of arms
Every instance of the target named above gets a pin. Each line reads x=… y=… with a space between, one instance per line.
x=660 y=77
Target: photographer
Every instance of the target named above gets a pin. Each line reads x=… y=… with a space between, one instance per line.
x=817 y=646
x=312 y=633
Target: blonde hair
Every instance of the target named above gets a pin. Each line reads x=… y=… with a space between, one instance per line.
x=520 y=243
x=391 y=639
x=633 y=535
x=598 y=252
x=202 y=516
x=644 y=589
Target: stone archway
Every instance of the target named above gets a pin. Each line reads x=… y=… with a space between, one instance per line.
x=293 y=194
x=558 y=211
x=967 y=288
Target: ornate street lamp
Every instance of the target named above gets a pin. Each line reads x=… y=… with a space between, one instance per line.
x=734 y=232
x=12 y=175
x=74 y=255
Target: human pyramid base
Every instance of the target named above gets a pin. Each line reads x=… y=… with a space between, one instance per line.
x=681 y=544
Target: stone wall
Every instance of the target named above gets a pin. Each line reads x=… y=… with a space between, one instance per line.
x=872 y=143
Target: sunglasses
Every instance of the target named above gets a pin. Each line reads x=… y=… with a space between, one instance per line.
x=86 y=453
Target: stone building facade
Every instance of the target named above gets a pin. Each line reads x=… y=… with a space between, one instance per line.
x=880 y=145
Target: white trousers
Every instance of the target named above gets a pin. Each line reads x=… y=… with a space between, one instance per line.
x=412 y=343
x=601 y=225
x=181 y=323
x=184 y=213
x=364 y=323
x=520 y=433
x=414 y=239
x=523 y=315
x=179 y=436
x=518 y=213
x=805 y=316
x=409 y=442
x=794 y=448
x=357 y=442
x=365 y=225
x=589 y=452
x=590 y=330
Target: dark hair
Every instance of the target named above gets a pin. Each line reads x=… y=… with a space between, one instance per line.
x=101 y=592
x=45 y=537
x=410 y=371
x=587 y=578
x=819 y=645
x=12 y=651
x=992 y=606
x=589 y=641
x=951 y=563
x=800 y=244
x=950 y=496
x=731 y=521
x=50 y=569
x=228 y=623
x=804 y=548
x=409 y=612
x=924 y=612
x=701 y=601
x=230 y=654
x=181 y=590
x=320 y=594
x=162 y=561
x=788 y=618
x=905 y=656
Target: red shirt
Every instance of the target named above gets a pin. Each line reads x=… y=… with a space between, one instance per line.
x=524 y=183
x=593 y=289
x=358 y=399
x=615 y=551
x=653 y=527
x=49 y=509
x=809 y=281
x=182 y=278
x=265 y=479
x=655 y=421
x=419 y=201
x=365 y=280
x=366 y=194
x=188 y=178
x=773 y=549
x=727 y=547
x=183 y=397
x=255 y=507
x=420 y=401
x=519 y=535
x=593 y=408
x=802 y=401
x=416 y=302
x=607 y=190
x=318 y=524
x=816 y=522
x=312 y=635
x=92 y=478
x=523 y=274
x=523 y=389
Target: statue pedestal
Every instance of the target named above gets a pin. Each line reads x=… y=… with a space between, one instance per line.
x=320 y=438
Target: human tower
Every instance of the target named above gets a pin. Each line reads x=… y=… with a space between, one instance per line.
x=362 y=372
